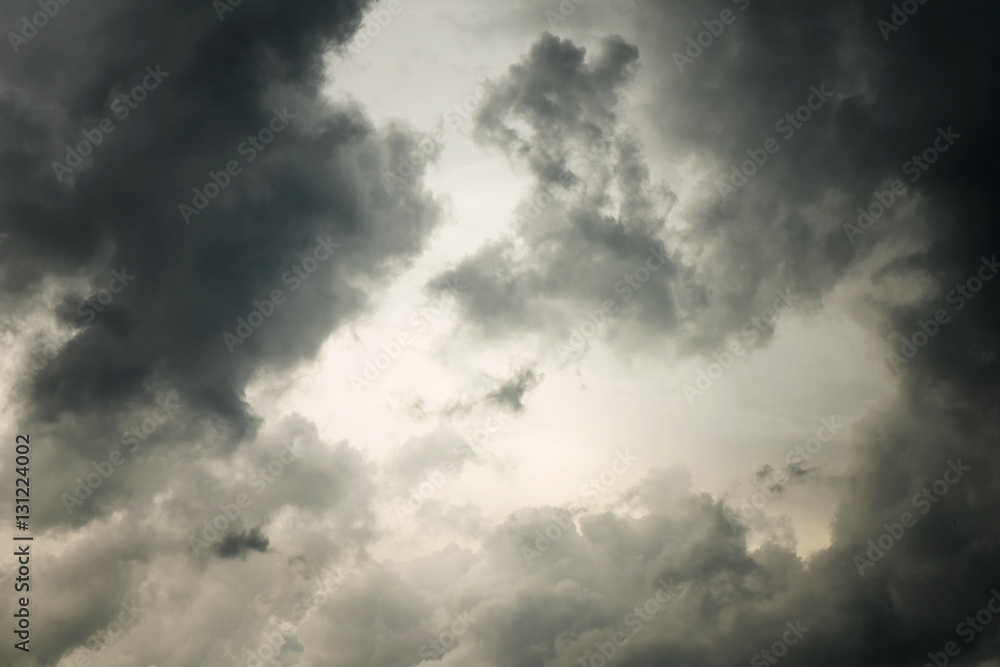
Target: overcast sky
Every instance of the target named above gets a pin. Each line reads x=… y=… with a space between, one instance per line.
x=524 y=334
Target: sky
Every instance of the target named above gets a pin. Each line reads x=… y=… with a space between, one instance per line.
x=527 y=334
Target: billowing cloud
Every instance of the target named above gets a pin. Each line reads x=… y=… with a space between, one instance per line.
x=676 y=191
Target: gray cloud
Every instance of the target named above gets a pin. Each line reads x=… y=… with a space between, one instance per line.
x=510 y=393
x=557 y=114
x=316 y=184
x=318 y=179
x=239 y=545
x=785 y=227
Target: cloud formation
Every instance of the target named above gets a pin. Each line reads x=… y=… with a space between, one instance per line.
x=216 y=534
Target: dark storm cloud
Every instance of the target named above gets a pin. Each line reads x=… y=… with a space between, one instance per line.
x=303 y=211
x=317 y=183
x=239 y=545
x=892 y=96
x=546 y=590
x=594 y=230
x=785 y=226
x=147 y=299
x=587 y=227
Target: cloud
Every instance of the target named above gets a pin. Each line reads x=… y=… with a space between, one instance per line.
x=510 y=393
x=318 y=178
x=600 y=213
x=224 y=89
x=239 y=545
x=784 y=228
